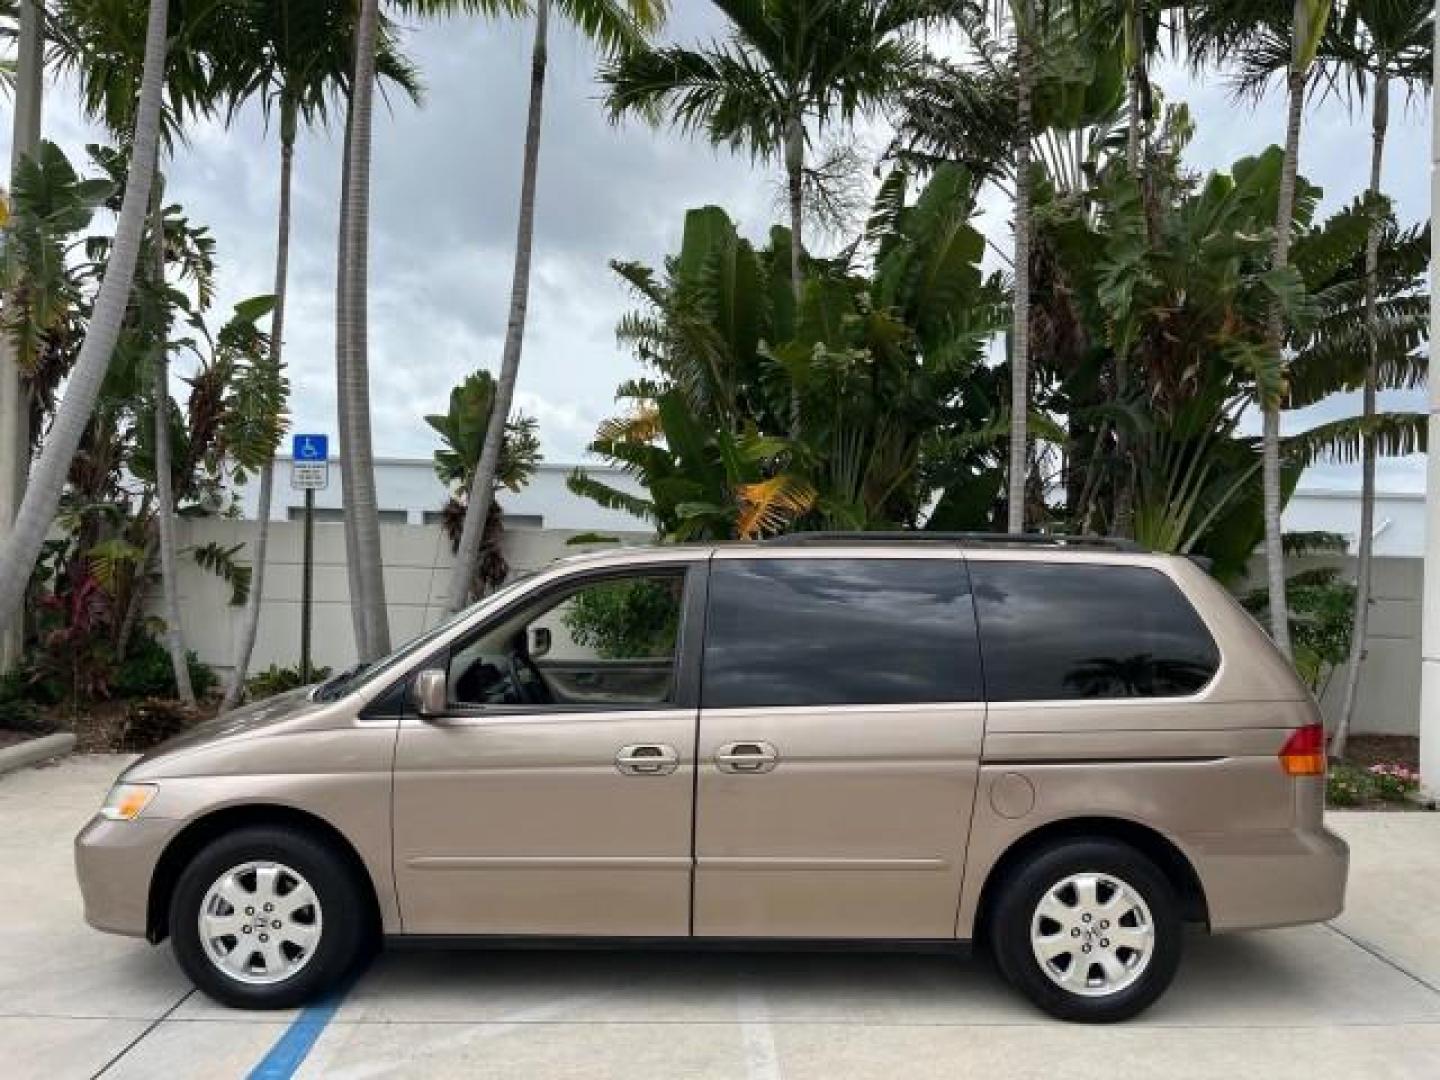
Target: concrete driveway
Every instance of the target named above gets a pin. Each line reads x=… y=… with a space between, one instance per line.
x=1359 y=998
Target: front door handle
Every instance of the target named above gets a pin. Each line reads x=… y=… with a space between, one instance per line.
x=746 y=757
x=647 y=759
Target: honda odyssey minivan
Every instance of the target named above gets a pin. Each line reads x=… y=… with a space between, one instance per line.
x=1065 y=750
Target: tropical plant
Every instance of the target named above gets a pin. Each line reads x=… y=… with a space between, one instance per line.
x=462 y=430
x=294 y=59
x=617 y=26
x=857 y=408
x=22 y=545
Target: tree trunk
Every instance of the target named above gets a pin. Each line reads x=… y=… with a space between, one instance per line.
x=250 y=626
x=1020 y=334
x=1135 y=32
x=343 y=425
x=14 y=408
x=358 y=467
x=1364 y=555
x=1122 y=522
x=1270 y=435
x=47 y=480
x=795 y=188
x=482 y=484
x=165 y=462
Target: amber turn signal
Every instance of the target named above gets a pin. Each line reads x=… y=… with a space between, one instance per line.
x=1304 y=751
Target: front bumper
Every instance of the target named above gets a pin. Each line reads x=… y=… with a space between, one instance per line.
x=115 y=862
x=1265 y=879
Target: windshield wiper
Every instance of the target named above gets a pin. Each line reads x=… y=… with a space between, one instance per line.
x=334 y=686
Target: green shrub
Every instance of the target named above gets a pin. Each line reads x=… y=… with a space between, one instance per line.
x=1345 y=785
x=626 y=620
x=146 y=672
x=276 y=680
x=19 y=709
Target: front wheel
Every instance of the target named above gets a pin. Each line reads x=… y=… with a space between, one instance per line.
x=1089 y=930
x=267 y=918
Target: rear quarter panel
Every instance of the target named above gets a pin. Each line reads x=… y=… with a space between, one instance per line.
x=1202 y=771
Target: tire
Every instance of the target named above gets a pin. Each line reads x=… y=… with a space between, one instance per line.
x=1122 y=964
x=321 y=910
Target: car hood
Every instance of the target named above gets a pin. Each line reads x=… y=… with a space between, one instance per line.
x=249 y=720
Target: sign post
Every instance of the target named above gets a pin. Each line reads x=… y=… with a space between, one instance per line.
x=309 y=472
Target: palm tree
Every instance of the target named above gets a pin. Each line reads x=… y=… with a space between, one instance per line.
x=14 y=409
x=295 y=56
x=613 y=27
x=96 y=38
x=352 y=373
x=364 y=560
x=789 y=70
x=22 y=546
x=1218 y=31
x=1377 y=41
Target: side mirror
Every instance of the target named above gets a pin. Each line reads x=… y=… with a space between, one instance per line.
x=539 y=641
x=429 y=692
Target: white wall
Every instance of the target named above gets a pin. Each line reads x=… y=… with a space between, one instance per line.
x=417 y=568
x=409 y=486
x=1399 y=518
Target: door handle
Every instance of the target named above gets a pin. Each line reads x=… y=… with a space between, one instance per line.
x=746 y=757
x=647 y=759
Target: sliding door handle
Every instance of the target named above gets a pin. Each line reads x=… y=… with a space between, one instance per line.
x=746 y=757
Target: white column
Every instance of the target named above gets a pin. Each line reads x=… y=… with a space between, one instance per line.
x=1430 y=629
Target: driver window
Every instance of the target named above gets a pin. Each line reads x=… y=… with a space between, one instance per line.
x=607 y=644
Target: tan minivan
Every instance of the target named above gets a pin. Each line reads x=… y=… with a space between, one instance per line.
x=1063 y=750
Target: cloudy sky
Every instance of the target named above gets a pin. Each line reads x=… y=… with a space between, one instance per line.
x=445 y=190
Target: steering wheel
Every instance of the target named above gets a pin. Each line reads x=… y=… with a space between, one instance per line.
x=525 y=677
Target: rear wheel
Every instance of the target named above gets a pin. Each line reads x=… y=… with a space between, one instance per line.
x=1089 y=930
x=267 y=918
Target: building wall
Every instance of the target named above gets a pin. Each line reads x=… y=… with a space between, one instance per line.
x=407 y=490
x=417 y=572
x=1399 y=518
x=1389 y=695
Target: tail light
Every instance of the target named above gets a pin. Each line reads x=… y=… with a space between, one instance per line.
x=1304 y=751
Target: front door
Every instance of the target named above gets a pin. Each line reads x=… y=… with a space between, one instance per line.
x=556 y=795
x=840 y=736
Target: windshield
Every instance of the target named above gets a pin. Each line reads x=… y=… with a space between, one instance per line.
x=358 y=675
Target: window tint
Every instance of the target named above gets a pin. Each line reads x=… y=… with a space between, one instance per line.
x=839 y=632
x=1053 y=631
x=608 y=644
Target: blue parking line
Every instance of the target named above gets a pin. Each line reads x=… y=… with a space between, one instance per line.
x=294 y=1046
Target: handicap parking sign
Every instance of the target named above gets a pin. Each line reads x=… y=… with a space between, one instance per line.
x=310 y=461
x=313 y=448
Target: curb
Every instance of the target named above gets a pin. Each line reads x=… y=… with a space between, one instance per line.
x=34 y=751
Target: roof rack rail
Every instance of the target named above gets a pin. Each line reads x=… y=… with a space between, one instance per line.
x=975 y=539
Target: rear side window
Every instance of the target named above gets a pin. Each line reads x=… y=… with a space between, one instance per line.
x=1055 y=631
x=839 y=632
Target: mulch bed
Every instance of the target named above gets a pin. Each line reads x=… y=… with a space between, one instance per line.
x=115 y=726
